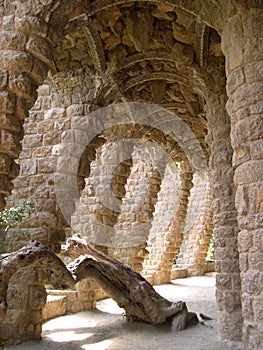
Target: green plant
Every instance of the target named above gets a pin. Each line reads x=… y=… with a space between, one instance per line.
x=13 y=215
x=210 y=251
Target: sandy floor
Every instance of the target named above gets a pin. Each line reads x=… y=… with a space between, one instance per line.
x=106 y=328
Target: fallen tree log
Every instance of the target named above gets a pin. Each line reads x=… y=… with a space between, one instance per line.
x=128 y=288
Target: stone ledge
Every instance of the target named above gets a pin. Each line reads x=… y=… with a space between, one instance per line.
x=178 y=273
x=54 y=307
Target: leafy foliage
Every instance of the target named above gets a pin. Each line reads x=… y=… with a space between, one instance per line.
x=210 y=251
x=11 y=216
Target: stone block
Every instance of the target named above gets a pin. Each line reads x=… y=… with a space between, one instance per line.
x=17 y=297
x=249 y=172
x=55 y=113
x=39 y=71
x=252 y=49
x=256 y=149
x=39 y=234
x=45 y=126
x=7 y=102
x=223 y=281
x=46 y=165
x=22 y=87
x=24 y=277
x=16 y=61
x=43 y=90
x=253 y=336
x=243 y=261
x=68 y=136
x=67 y=165
x=245 y=240
x=255 y=196
x=55 y=306
x=12 y=41
x=37 y=297
x=28 y=167
x=30 y=128
x=235 y=79
x=232 y=44
x=33 y=141
x=46 y=102
x=249 y=129
x=14 y=317
x=44 y=151
x=246 y=96
x=257 y=309
x=3 y=78
x=6 y=185
x=8 y=22
x=75 y=110
x=52 y=138
x=230 y=325
x=257 y=240
x=252 y=282
x=241 y=154
x=254 y=71
x=5 y=164
x=31 y=25
x=255 y=261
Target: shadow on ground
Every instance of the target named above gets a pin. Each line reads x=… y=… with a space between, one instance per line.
x=107 y=328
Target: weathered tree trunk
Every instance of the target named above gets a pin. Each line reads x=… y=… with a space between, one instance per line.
x=33 y=254
x=128 y=288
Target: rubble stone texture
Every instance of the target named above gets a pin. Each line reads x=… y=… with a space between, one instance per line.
x=201 y=63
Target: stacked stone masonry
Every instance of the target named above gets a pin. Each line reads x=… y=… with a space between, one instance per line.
x=78 y=82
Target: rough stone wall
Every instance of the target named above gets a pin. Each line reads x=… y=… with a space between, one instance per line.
x=198 y=228
x=25 y=60
x=242 y=45
x=51 y=151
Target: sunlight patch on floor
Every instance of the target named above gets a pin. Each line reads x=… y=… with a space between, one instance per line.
x=109 y=306
x=102 y=345
x=68 y=322
x=63 y=336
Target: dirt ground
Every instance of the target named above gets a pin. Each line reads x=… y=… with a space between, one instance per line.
x=106 y=328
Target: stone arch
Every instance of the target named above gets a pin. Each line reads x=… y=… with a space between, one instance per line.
x=228 y=18
x=23 y=276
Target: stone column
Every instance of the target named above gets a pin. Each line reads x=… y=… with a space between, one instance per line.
x=99 y=205
x=225 y=221
x=165 y=245
x=198 y=227
x=25 y=56
x=26 y=296
x=134 y=221
x=242 y=42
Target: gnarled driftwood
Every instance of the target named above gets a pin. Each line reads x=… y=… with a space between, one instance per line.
x=128 y=288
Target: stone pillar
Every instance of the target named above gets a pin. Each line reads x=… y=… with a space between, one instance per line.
x=225 y=221
x=166 y=243
x=242 y=42
x=134 y=221
x=198 y=227
x=26 y=296
x=100 y=203
x=25 y=57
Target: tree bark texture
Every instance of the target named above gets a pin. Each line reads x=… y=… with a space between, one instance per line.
x=128 y=288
